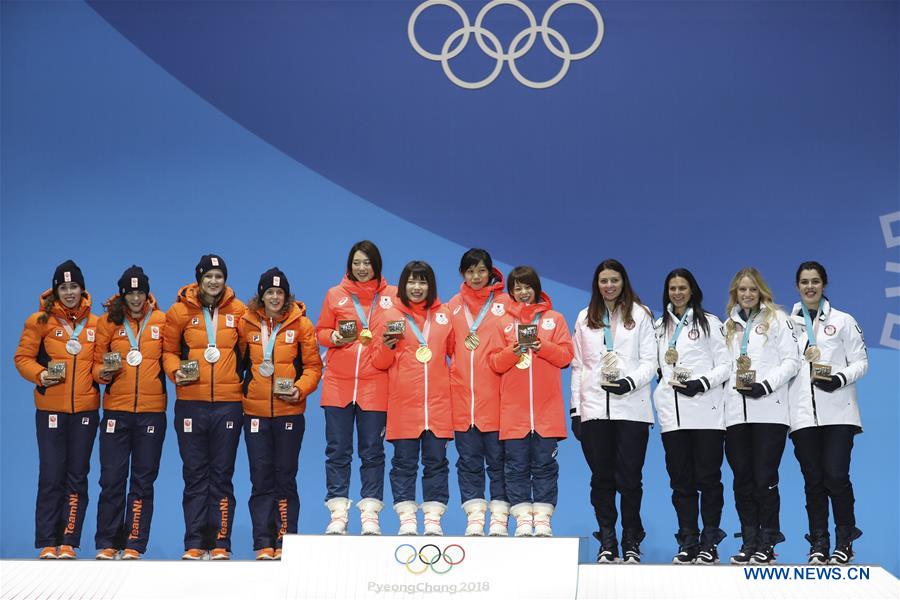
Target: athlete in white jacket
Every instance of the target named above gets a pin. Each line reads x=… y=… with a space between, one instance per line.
x=824 y=414
x=694 y=364
x=614 y=362
x=763 y=342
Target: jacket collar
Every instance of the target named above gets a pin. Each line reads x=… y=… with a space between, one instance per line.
x=823 y=314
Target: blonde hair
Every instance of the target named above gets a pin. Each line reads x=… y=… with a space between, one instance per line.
x=765 y=297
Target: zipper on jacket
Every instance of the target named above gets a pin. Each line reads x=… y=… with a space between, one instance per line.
x=744 y=398
x=531 y=393
x=472 y=385
x=271 y=383
x=137 y=377
x=812 y=393
x=426 y=395
x=212 y=382
x=356 y=372
x=74 y=362
x=677 y=411
x=608 y=414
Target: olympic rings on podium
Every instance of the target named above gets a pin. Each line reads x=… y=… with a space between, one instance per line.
x=430 y=556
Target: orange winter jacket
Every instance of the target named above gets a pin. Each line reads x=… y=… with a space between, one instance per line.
x=474 y=386
x=142 y=388
x=349 y=375
x=531 y=399
x=185 y=339
x=43 y=342
x=295 y=355
x=418 y=393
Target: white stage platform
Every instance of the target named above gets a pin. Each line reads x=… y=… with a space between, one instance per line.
x=419 y=567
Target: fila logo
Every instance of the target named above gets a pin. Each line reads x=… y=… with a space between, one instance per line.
x=121 y=333
x=151 y=429
x=195 y=321
x=255 y=337
x=288 y=426
x=229 y=424
x=59 y=333
x=85 y=420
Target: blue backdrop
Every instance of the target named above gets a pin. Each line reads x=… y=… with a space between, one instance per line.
x=699 y=134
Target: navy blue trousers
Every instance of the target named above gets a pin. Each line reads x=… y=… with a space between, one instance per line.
x=135 y=438
x=476 y=449
x=273 y=449
x=531 y=469
x=435 y=469
x=370 y=425
x=208 y=435
x=65 y=442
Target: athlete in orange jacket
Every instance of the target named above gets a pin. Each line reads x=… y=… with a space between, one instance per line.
x=475 y=389
x=202 y=326
x=532 y=415
x=134 y=415
x=284 y=368
x=61 y=336
x=353 y=391
x=419 y=405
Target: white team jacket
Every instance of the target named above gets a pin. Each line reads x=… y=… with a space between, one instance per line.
x=708 y=359
x=776 y=359
x=840 y=341
x=636 y=348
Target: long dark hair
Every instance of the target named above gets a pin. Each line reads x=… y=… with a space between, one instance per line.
x=695 y=303
x=371 y=251
x=116 y=308
x=626 y=300
x=417 y=269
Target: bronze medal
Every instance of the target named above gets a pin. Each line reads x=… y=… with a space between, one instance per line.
x=423 y=354
x=812 y=354
x=471 y=342
x=671 y=356
x=744 y=362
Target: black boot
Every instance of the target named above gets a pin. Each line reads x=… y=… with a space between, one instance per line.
x=765 y=551
x=843 y=546
x=749 y=541
x=688 y=546
x=631 y=545
x=609 y=545
x=709 y=542
x=819 y=544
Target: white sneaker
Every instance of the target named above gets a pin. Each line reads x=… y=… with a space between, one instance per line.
x=433 y=511
x=524 y=516
x=339 y=508
x=368 y=515
x=407 y=511
x=542 y=514
x=475 y=510
x=499 y=519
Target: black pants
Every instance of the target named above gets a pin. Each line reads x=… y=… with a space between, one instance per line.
x=694 y=463
x=615 y=452
x=824 y=457
x=754 y=453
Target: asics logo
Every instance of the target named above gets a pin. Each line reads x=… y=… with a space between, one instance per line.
x=520 y=45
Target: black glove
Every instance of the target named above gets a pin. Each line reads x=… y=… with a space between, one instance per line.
x=691 y=388
x=576 y=427
x=828 y=386
x=618 y=387
x=756 y=391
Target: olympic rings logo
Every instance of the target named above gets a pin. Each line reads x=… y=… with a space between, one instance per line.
x=518 y=47
x=430 y=557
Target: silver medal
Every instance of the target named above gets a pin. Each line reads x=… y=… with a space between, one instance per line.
x=73 y=347
x=212 y=354
x=266 y=368
x=134 y=357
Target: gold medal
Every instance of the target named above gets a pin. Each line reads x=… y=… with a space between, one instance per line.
x=471 y=342
x=671 y=356
x=812 y=354
x=524 y=361
x=423 y=354
x=744 y=362
x=365 y=336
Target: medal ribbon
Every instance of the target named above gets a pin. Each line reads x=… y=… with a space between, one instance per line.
x=680 y=326
x=359 y=311
x=810 y=328
x=268 y=343
x=73 y=333
x=473 y=325
x=212 y=324
x=747 y=329
x=136 y=341
x=423 y=339
x=607 y=332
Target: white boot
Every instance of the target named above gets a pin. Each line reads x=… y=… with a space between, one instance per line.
x=523 y=513
x=368 y=515
x=409 y=524
x=499 y=519
x=339 y=508
x=475 y=510
x=542 y=513
x=433 y=512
